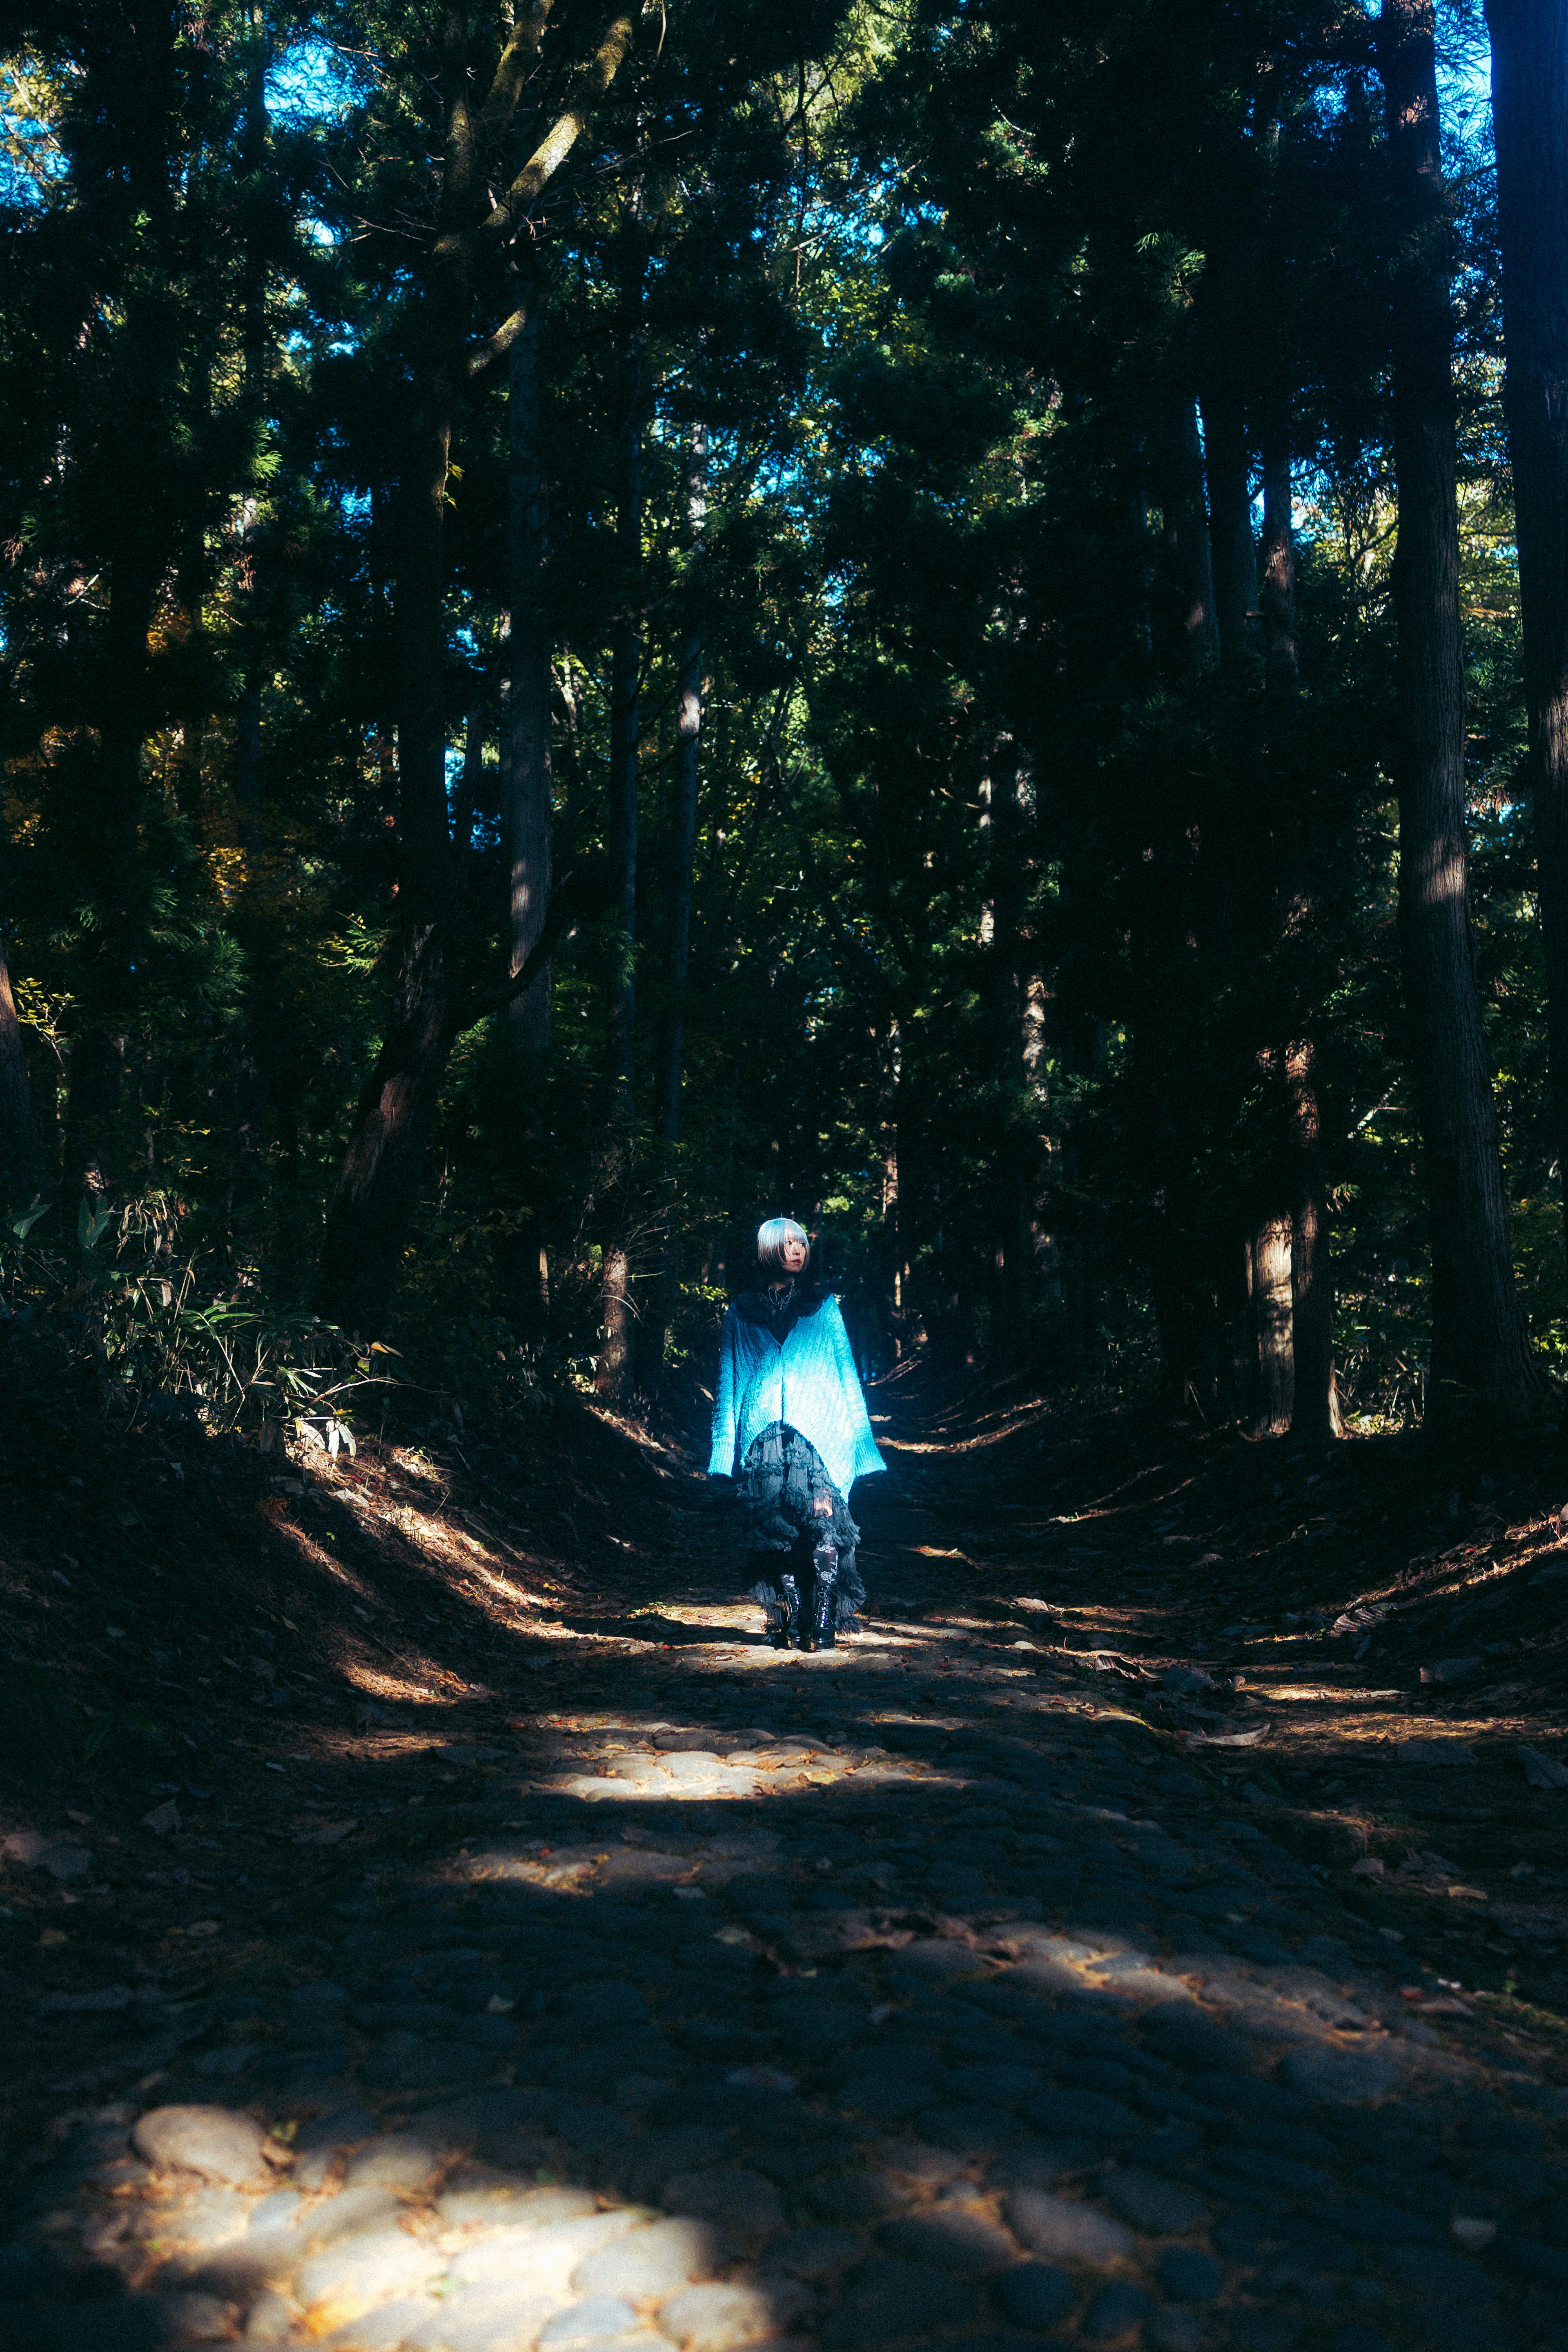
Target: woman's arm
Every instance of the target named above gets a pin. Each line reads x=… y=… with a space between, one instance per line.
x=726 y=1403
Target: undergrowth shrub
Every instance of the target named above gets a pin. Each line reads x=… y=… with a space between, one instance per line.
x=163 y=1330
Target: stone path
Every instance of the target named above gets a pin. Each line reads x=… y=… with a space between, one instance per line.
x=900 y=1995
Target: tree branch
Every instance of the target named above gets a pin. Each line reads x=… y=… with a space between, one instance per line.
x=572 y=900
x=501 y=100
x=559 y=140
x=478 y=356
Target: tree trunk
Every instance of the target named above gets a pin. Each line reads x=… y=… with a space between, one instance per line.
x=1191 y=637
x=255 y=346
x=612 y=1376
x=626 y=675
x=1315 y=1413
x=688 y=751
x=21 y=1149
x=683 y=855
x=526 y=782
x=1003 y=847
x=1478 y=1340
x=1530 y=115
x=1276 y=590
x=1231 y=547
x=378 y=1183
x=1271 y=1295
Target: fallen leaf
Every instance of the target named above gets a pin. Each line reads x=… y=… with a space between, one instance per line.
x=61 y=1857
x=1541 y=1771
x=161 y=1818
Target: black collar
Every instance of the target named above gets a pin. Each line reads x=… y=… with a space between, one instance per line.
x=779 y=1316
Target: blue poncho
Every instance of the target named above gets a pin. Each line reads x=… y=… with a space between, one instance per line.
x=807 y=1379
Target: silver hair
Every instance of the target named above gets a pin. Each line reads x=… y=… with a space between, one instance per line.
x=772 y=1235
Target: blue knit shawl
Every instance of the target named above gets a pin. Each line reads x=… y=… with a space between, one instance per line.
x=809 y=1381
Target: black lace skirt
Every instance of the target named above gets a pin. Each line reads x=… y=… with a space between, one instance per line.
x=781 y=1480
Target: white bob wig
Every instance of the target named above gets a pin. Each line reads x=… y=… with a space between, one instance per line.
x=773 y=1237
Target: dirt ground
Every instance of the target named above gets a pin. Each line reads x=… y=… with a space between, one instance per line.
x=1149 y=1734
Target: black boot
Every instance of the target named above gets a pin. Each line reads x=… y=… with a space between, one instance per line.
x=823 y=1626
x=785 y=1615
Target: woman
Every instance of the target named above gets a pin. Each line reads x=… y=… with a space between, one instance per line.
x=790 y=1427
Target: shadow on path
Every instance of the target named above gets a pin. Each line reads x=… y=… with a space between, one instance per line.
x=683 y=1994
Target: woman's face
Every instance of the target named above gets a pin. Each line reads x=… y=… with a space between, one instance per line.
x=793 y=1255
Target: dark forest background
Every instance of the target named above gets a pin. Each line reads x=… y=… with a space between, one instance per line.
x=903 y=611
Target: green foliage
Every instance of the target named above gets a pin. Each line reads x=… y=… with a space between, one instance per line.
x=163 y=1333
x=1006 y=905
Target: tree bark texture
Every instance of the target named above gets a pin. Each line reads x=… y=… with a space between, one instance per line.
x=1530 y=115
x=1478 y=1340
x=526 y=784
x=1271 y=1306
x=613 y=1376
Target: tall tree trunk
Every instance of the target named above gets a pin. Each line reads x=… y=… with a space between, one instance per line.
x=683 y=858
x=1003 y=847
x=1277 y=587
x=625 y=668
x=254 y=349
x=1314 y=1413
x=378 y=1183
x=1478 y=1340
x=1231 y=546
x=1191 y=635
x=110 y=816
x=21 y=1149
x=526 y=782
x=1271 y=1299
x=1530 y=115
x=614 y=1377
x=683 y=847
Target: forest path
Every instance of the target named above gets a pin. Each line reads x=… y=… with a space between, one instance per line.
x=938 y=1988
